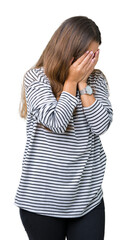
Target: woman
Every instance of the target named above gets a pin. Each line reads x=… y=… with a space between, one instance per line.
x=67 y=105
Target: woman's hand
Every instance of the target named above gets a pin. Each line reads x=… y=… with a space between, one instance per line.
x=90 y=67
x=80 y=70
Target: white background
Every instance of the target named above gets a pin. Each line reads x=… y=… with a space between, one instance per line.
x=26 y=27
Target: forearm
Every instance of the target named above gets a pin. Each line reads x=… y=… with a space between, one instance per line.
x=98 y=112
x=87 y=100
x=42 y=104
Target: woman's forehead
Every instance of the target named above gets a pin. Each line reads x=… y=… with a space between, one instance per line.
x=93 y=46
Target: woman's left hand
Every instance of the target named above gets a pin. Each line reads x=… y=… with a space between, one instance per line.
x=91 y=67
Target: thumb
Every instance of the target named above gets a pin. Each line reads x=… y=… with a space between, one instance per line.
x=71 y=60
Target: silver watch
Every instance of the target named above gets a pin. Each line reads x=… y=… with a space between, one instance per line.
x=87 y=90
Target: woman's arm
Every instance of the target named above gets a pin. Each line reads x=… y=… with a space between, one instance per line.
x=43 y=105
x=97 y=109
x=87 y=100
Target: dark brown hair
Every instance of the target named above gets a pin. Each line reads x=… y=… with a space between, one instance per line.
x=71 y=39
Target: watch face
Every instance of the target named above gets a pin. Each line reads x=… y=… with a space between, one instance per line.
x=89 y=90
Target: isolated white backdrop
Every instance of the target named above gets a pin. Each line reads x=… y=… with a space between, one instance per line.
x=26 y=27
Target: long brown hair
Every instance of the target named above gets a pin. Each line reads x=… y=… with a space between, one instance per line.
x=71 y=39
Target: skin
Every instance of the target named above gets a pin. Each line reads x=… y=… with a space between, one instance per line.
x=92 y=61
x=83 y=67
x=80 y=70
x=88 y=100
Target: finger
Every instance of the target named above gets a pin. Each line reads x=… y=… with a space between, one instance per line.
x=97 y=53
x=93 y=61
x=71 y=60
x=92 y=64
x=86 y=61
x=80 y=59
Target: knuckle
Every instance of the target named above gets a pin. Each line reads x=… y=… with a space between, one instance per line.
x=78 y=69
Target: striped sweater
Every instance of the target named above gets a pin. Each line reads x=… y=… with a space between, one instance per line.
x=63 y=168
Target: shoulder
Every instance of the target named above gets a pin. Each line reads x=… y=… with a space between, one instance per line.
x=34 y=76
x=97 y=77
x=98 y=81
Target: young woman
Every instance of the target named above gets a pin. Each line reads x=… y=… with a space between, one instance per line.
x=66 y=102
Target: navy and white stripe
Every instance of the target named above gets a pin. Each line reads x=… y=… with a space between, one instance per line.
x=63 y=168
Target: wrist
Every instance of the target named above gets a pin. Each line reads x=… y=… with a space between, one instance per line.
x=81 y=85
x=69 y=81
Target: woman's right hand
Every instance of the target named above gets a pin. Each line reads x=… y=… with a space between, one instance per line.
x=80 y=68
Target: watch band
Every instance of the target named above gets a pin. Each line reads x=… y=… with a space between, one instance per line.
x=87 y=90
x=83 y=91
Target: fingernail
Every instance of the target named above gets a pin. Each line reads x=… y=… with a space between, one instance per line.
x=91 y=52
x=86 y=52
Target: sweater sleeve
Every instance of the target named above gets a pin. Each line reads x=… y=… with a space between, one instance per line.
x=44 y=107
x=100 y=114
